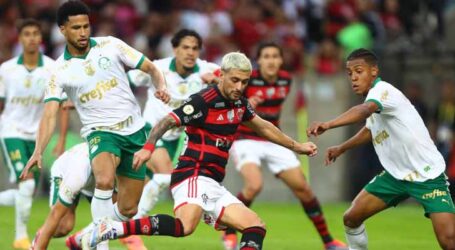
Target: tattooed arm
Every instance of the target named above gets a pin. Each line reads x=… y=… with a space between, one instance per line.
x=158 y=130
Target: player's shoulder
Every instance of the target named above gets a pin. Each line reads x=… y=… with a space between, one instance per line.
x=163 y=63
x=10 y=63
x=206 y=66
x=283 y=74
x=48 y=62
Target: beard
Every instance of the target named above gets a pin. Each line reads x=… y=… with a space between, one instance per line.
x=77 y=46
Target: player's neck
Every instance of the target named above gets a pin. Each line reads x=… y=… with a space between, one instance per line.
x=75 y=52
x=270 y=78
x=182 y=71
x=31 y=59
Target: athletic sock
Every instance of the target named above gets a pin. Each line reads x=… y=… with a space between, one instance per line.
x=252 y=238
x=160 y=224
x=8 y=197
x=23 y=206
x=116 y=215
x=314 y=213
x=101 y=203
x=245 y=201
x=357 y=237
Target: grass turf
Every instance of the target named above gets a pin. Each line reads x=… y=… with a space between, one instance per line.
x=401 y=228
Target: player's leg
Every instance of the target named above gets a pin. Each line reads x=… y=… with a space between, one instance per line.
x=435 y=197
x=382 y=192
x=16 y=154
x=295 y=180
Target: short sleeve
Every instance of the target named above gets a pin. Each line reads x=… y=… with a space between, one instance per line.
x=128 y=55
x=192 y=112
x=139 y=78
x=249 y=112
x=2 y=85
x=54 y=92
x=382 y=96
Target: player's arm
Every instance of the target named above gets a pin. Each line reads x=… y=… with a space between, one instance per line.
x=157 y=79
x=355 y=114
x=45 y=130
x=143 y=155
x=63 y=124
x=362 y=137
x=268 y=131
x=51 y=224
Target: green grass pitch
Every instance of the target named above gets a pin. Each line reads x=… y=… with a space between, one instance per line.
x=399 y=228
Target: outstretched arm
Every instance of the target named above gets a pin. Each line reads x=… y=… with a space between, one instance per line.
x=64 y=124
x=355 y=114
x=273 y=134
x=158 y=130
x=157 y=79
x=45 y=130
x=362 y=137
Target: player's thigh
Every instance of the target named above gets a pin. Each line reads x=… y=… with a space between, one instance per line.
x=104 y=153
x=16 y=154
x=444 y=227
x=129 y=194
x=190 y=215
x=364 y=206
x=239 y=216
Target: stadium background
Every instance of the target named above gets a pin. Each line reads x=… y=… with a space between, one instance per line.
x=413 y=38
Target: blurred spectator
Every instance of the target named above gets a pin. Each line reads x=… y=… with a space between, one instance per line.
x=390 y=18
x=338 y=14
x=414 y=93
x=443 y=121
x=368 y=15
x=355 y=35
x=328 y=58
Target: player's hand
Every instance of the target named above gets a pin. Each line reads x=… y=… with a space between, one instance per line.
x=163 y=95
x=317 y=128
x=255 y=100
x=140 y=157
x=209 y=78
x=307 y=148
x=332 y=154
x=35 y=160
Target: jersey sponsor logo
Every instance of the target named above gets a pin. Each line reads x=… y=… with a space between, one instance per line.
x=220 y=105
x=257 y=82
x=188 y=109
x=282 y=82
x=380 y=137
x=104 y=63
x=435 y=193
x=27 y=100
x=223 y=143
x=102 y=87
x=220 y=118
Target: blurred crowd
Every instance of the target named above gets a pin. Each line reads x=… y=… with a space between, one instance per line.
x=322 y=30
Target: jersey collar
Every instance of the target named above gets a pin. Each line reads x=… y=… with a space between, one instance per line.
x=20 y=60
x=173 y=67
x=68 y=56
x=378 y=79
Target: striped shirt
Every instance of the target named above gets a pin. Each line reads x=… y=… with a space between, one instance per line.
x=211 y=123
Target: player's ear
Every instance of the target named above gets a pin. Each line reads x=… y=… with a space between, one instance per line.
x=375 y=71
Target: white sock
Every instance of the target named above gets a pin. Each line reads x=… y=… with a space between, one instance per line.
x=101 y=203
x=116 y=215
x=8 y=197
x=23 y=205
x=151 y=193
x=357 y=237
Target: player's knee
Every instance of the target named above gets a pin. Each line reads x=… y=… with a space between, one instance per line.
x=447 y=240
x=104 y=182
x=64 y=228
x=350 y=220
x=188 y=227
x=252 y=189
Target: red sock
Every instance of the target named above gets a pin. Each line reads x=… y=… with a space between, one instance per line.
x=314 y=212
x=245 y=201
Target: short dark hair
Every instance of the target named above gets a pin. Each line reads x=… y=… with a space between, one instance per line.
x=177 y=38
x=28 y=22
x=71 y=8
x=265 y=45
x=364 y=54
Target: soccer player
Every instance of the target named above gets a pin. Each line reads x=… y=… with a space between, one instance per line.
x=266 y=92
x=91 y=72
x=71 y=176
x=211 y=118
x=185 y=74
x=413 y=166
x=22 y=85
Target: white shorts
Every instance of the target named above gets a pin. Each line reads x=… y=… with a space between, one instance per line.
x=276 y=157
x=205 y=192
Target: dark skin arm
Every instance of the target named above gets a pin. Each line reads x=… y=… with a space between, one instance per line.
x=143 y=155
x=355 y=114
x=362 y=137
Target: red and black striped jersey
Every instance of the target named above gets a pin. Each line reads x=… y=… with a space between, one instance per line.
x=273 y=93
x=211 y=123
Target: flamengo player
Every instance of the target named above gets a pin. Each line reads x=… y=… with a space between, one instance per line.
x=71 y=176
x=413 y=166
x=266 y=92
x=211 y=118
x=23 y=82
x=92 y=73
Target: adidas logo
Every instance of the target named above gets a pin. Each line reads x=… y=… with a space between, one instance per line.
x=220 y=118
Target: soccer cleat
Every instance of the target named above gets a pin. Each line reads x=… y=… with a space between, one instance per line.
x=230 y=241
x=336 y=245
x=71 y=243
x=102 y=231
x=22 y=244
x=133 y=242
